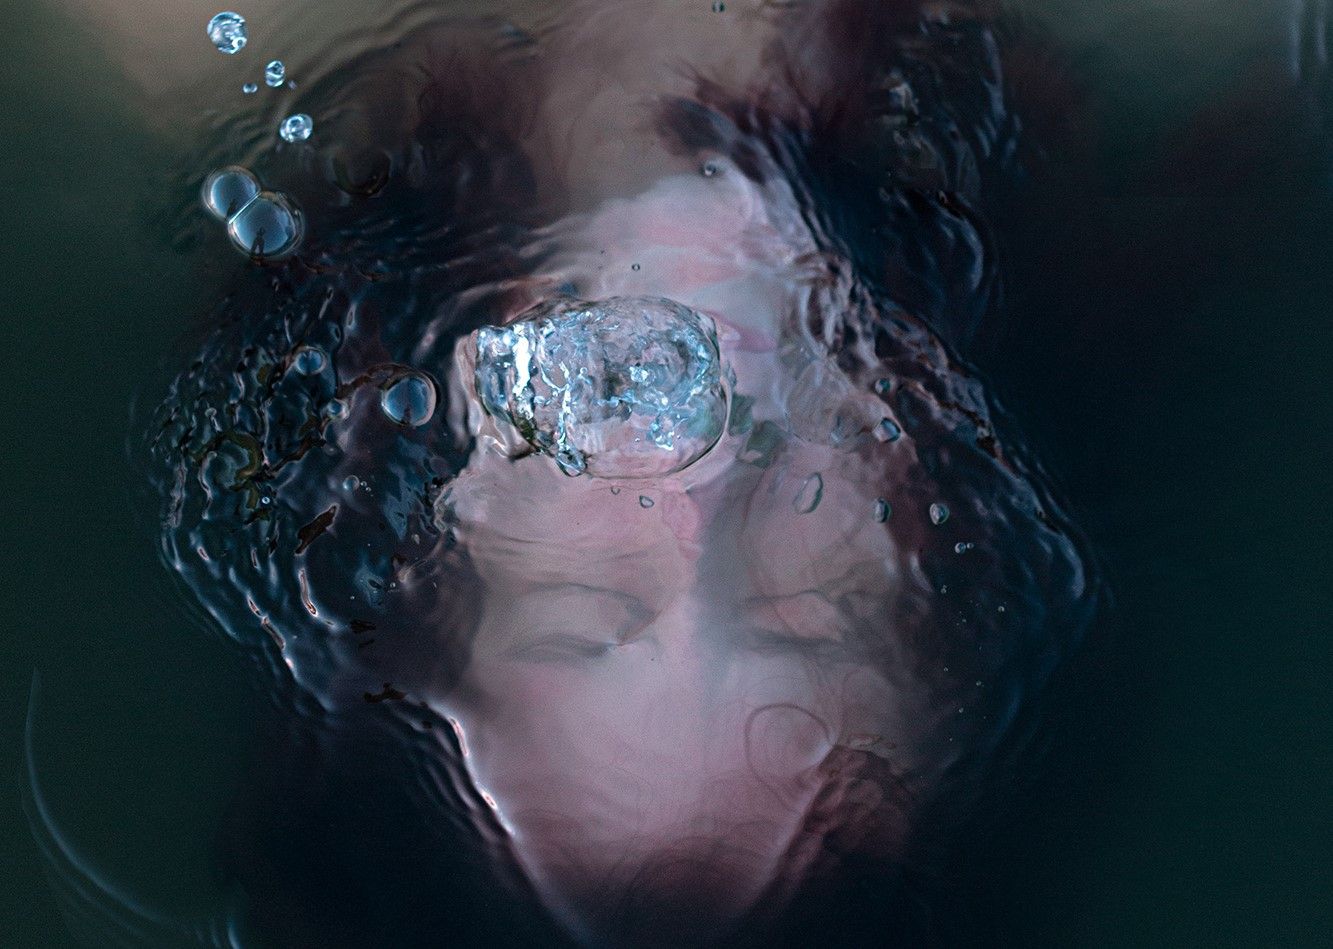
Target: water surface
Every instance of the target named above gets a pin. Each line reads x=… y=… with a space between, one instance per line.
x=1160 y=345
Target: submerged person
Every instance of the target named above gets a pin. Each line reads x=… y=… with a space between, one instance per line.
x=566 y=650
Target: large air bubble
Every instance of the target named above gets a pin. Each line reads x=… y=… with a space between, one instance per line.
x=229 y=189
x=268 y=228
x=620 y=388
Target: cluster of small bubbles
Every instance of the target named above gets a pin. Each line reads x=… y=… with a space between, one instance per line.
x=309 y=360
x=296 y=128
x=624 y=387
x=645 y=501
x=882 y=510
x=938 y=513
x=268 y=227
x=962 y=547
x=409 y=399
x=263 y=224
x=811 y=493
x=229 y=189
x=274 y=74
x=887 y=430
x=250 y=88
x=227 y=31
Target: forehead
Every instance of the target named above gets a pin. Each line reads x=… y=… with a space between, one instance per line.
x=529 y=527
x=804 y=524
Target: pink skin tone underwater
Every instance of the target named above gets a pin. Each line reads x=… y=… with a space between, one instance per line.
x=657 y=690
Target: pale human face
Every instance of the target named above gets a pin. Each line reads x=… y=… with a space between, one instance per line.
x=653 y=692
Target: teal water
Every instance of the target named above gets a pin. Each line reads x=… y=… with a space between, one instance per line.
x=141 y=722
x=1187 y=412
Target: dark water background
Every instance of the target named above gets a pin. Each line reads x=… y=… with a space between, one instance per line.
x=1168 y=347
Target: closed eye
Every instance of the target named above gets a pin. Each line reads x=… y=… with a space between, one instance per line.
x=568 y=622
x=560 y=647
x=808 y=615
x=806 y=623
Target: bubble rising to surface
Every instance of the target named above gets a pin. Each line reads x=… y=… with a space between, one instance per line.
x=888 y=431
x=274 y=74
x=227 y=32
x=309 y=360
x=623 y=387
x=268 y=228
x=409 y=400
x=228 y=190
x=296 y=128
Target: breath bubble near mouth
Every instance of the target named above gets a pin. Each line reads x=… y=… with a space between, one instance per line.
x=624 y=387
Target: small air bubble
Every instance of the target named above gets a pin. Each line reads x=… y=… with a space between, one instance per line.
x=409 y=399
x=250 y=88
x=888 y=431
x=812 y=491
x=938 y=513
x=296 y=128
x=351 y=483
x=962 y=547
x=227 y=190
x=882 y=386
x=719 y=7
x=634 y=267
x=274 y=74
x=309 y=360
x=645 y=501
x=227 y=31
x=270 y=226
x=882 y=510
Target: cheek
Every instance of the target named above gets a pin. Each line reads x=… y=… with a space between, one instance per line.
x=642 y=744
x=673 y=769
